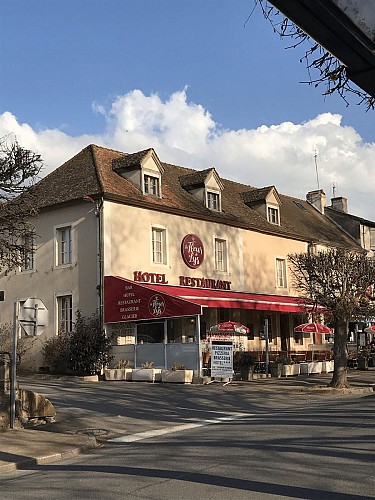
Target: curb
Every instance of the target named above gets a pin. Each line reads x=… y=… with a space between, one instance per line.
x=333 y=390
x=28 y=462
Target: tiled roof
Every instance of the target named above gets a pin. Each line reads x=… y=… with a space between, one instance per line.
x=256 y=195
x=194 y=179
x=90 y=172
x=127 y=161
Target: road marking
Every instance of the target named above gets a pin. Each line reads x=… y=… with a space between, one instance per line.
x=211 y=411
x=177 y=428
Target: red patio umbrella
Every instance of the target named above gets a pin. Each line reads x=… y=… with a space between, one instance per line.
x=231 y=327
x=313 y=328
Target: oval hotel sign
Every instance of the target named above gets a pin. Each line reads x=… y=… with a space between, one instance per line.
x=192 y=251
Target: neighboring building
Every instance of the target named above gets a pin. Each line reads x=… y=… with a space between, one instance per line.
x=362 y=230
x=163 y=253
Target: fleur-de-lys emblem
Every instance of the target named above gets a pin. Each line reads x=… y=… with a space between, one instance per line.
x=156 y=305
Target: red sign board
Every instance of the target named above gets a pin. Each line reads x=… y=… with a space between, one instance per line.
x=192 y=251
x=125 y=300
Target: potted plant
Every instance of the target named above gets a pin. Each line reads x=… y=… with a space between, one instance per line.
x=243 y=362
x=121 y=371
x=290 y=368
x=276 y=367
x=147 y=373
x=178 y=374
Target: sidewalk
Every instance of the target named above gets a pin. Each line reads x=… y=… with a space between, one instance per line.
x=27 y=447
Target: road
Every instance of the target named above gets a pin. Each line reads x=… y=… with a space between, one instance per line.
x=211 y=442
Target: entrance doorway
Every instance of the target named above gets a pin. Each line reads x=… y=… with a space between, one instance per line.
x=284 y=331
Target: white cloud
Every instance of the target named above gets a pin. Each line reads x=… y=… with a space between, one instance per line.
x=186 y=134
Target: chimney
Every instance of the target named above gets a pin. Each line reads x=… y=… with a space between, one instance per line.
x=340 y=203
x=318 y=199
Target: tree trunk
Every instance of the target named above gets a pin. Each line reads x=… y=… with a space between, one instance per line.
x=340 y=352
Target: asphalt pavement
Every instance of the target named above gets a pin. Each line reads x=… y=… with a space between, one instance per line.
x=40 y=444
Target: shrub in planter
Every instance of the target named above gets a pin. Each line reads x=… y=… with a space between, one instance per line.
x=89 y=346
x=243 y=362
x=147 y=373
x=84 y=351
x=276 y=369
x=121 y=371
x=177 y=374
x=56 y=353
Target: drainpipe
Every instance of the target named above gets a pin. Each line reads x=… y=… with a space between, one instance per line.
x=99 y=241
x=165 y=326
x=99 y=215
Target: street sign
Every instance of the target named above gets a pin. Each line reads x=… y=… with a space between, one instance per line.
x=33 y=317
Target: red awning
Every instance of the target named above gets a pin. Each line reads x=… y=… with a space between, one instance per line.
x=232 y=300
x=126 y=300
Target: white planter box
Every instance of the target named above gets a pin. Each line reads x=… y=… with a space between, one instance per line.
x=146 y=375
x=304 y=368
x=327 y=366
x=118 y=374
x=315 y=367
x=177 y=376
x=288 y=370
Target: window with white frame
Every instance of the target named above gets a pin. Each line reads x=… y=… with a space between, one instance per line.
x=64 y=314
x=273 y=215
x=28 y=254
x=220 y=254
x=64 y=245
x=151 y=185
x=159 y=247
x=213 y=200
x=280 y=273
x=372 y=239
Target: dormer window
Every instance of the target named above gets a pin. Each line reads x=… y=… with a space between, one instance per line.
x=143 y=170
x=273 y=215
x=213 y=201
x=151 y=185
x=266 y=201
x=206 y=186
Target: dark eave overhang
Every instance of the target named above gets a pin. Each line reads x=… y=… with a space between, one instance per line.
x=331 y=28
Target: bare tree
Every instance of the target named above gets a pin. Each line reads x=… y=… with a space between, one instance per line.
x=19 y=169
x=329 y=71
x=24 y=344
x=341 y=282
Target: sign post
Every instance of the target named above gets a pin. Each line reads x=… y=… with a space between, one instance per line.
x=33 y=318
x=13 y=369
x=267 y=345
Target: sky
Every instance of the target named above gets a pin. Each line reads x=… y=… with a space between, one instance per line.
x=204 y=83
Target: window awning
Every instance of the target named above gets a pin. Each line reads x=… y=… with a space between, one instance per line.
x=233 y=300
x=126 y=300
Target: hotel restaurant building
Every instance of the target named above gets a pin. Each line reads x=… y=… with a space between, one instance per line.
x=162 y=253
